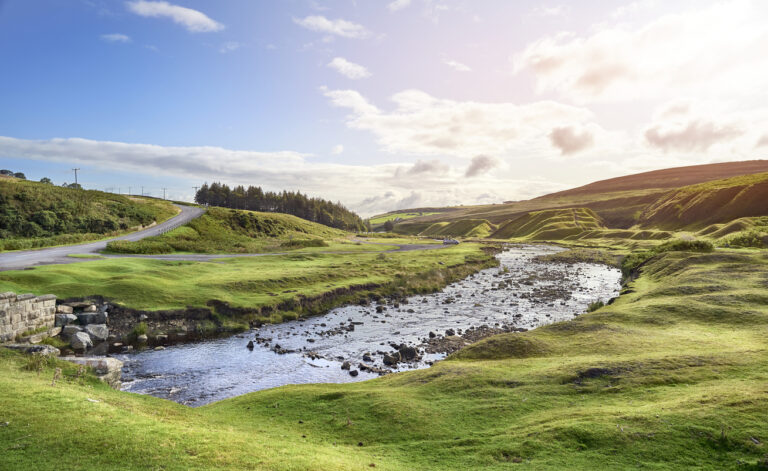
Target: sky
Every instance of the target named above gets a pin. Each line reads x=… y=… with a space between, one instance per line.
x=379 y=104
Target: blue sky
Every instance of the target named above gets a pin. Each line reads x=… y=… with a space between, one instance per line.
x=379 y=104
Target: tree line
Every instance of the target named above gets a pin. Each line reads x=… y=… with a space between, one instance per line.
x=254 y=198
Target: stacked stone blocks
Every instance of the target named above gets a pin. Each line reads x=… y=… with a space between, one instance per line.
x=25 y=312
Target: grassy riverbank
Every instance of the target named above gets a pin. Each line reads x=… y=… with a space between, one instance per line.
x=247 y=282
x=672 y=375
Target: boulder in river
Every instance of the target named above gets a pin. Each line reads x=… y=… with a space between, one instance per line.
x=407 y=353
x=346 y=365
x=450 y=333
x=367 y=357
x=250 y=345
x=392 y=360
x=354 y=373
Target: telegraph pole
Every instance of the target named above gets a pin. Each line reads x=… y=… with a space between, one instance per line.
x=129 y=191
x=75 y=170
x=164 y=192
x=142 y=190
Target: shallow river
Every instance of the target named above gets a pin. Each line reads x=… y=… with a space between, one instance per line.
x=521 y=293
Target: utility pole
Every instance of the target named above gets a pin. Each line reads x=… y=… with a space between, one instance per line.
x=142 y=190
x=75 y=170
x=129 y=191
x=164 y=192
x=119 y=190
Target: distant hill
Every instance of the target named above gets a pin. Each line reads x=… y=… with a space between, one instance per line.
x=618 y=202
x=34 y=214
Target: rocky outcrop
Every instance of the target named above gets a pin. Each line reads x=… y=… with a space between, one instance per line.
x=107 y=369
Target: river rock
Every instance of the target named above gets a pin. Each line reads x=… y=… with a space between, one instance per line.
x=107 y=369
x=450 y=333
x=63 y=309
x=408 y=353
x=142 y=338
x=367 y=357
x=98 y=332
x=392 y=360
x=70 y=330
x=90 y=308
x=346 y=365
x=64 y=319
x=80 y=341
x=354 y=373
x=250 y=345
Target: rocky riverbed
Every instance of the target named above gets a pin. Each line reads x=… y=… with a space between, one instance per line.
x=354 y=343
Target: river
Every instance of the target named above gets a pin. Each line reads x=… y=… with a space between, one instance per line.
x=522 y=293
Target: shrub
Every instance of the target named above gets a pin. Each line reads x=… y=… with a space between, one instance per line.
x=302 y=243
x=595 y=306
x=144 y=247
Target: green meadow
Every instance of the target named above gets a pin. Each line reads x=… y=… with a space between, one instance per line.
x=672 y=375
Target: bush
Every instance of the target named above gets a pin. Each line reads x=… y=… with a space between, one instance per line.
x=143 y=247
x=751 y=238
x=303 y=243
x=595 y=306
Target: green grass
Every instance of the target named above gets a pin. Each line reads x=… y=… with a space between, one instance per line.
x=671 y=376
x=381 y=219
x=241 y=282
x=222 y=230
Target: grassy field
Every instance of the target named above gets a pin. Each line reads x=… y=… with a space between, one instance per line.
x=36 y=215
x=222 y=230
x=381 y=219
x=672 y=375
x=241 y=282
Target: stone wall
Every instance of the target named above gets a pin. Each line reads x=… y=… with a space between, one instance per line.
x=25 y=312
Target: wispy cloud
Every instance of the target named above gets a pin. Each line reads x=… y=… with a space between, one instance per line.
x=229 y=46
x=398 y=5
x=337 y=149
x=116 y=38
x=421 y=124
x=571 y=140
x=457 y=66
x=194 y=21
x=349 y=69
x=338 y=27
x=556 y=10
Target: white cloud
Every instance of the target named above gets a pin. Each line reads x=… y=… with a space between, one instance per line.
x=424 y=183
x=421 y=124
x=556 y=10
x=717 y=51
x=116 y=38
x=229 y=46
x=457 y=66
x=398 y=5
x=338 y=27
x=194 y=21
x=337 y=149
x=349 y=69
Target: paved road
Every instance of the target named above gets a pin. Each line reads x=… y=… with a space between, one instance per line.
x=54 y=255
x=59 y=255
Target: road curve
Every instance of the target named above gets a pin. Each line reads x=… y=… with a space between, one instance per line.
x=55 y=255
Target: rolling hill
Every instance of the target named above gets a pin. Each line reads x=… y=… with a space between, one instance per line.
x=36 y=214
x=623 y=202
